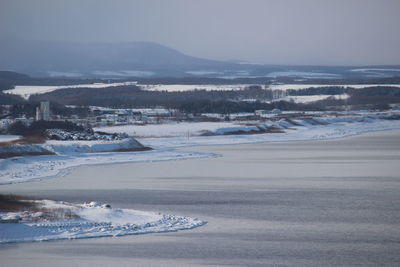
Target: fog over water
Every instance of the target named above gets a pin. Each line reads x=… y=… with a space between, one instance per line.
x=317 y=32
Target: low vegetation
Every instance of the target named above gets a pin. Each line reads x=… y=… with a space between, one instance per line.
x=30 y=210
x=38 y=128
x=253 y=98
x=13 y=203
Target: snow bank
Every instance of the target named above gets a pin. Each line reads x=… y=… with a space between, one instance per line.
x=63 y=135
x=373 y=69
x=91 y=220
x=183 y=129
x=62 y=147
x=76 y=146
x=26 y=162
x=231 y=130
x=304 y=86
x=309 y=98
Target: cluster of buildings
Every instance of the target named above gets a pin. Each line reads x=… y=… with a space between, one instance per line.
x=100 y=116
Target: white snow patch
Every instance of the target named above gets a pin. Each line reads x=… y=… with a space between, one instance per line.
x=305 y=86
x=95 y=220
x=64 y=147
x=310 y=98
x=373 y=69
x=191 y=87
x=301 y=74
x=73 y=146
x=26 y=91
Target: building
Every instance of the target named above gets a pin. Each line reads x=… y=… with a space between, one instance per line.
x=260 y=112
x=43 y=111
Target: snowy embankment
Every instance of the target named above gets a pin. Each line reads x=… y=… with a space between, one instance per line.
x=14 y=150
x=25 y=162
x=52 y=220
x=183 y=129
x=52 y=147
x=28 y=168
x=63 y=147
x=74 y=154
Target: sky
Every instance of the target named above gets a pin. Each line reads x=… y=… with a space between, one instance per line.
x=291 y=32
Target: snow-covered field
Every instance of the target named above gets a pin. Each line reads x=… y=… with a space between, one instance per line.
x=90 y=220
x=373 y=69
x=26 y=91
x=304 y=86
x=310 y=98
x=191 y=87
x=301 y=74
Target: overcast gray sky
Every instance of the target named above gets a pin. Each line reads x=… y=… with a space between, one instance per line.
x=335 y=32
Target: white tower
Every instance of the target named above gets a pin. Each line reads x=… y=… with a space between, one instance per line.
x=43 y=111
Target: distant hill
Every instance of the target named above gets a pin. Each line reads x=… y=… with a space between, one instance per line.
x=9 y=78
x=112 y=59
x=146 y=59
x=12 y=76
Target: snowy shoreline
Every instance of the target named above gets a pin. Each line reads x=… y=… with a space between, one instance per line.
x=99 y=220
x=30 y=168
x=88 y=220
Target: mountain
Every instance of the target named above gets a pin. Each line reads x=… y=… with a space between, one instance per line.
x=146 y=59
x=6 y=76
x=119 y=59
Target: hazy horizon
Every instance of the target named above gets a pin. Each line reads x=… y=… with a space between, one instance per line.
x=285 y=32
